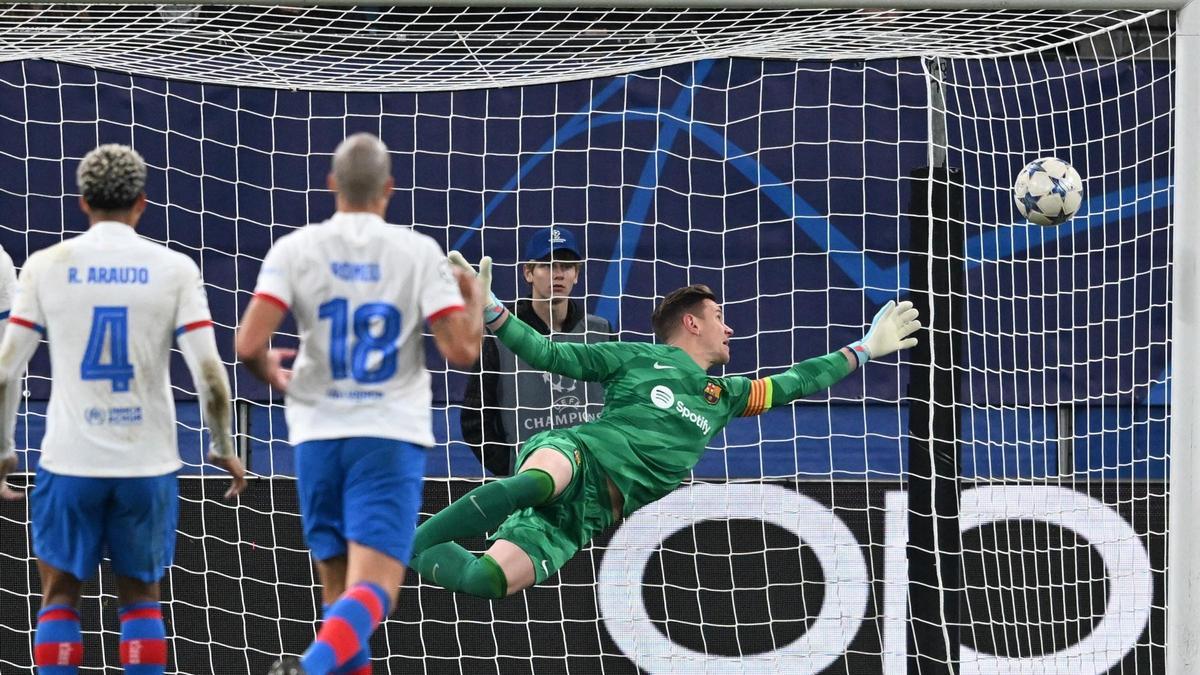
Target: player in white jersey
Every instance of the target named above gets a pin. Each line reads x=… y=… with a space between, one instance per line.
x=8 y=456
x=358 y=395
x=111 y=303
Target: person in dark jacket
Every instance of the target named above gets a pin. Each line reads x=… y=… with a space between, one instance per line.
x=506 y=401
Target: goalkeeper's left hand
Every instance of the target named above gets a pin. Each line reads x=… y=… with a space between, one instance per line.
x=493 y=309
x=890 y=331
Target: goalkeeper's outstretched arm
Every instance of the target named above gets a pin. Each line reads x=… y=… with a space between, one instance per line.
x=578 y=361
x=891 y=330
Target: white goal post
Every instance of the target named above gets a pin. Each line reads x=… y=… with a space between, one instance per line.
x=1183 y=598
x=808 y=159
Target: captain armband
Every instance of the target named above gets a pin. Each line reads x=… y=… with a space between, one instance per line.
x=759 y=400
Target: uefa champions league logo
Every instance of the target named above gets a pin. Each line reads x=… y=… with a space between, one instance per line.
x=559 y=384
x=561 y=388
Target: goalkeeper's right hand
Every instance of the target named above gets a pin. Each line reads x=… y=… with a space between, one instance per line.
x=890 y=332
x=493 y=309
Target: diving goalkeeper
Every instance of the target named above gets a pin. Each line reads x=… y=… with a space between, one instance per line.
x=661 y=408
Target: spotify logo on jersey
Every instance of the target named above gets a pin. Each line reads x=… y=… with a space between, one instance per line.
x=662 y=397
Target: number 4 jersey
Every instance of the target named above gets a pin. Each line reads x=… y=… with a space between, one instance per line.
x=110 y=303
x=361 y=291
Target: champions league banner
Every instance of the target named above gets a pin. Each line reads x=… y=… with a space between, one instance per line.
x=688 y=173
x=781 y=184
x=796 y=578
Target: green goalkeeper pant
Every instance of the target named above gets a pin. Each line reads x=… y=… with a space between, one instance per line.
x=550 y=533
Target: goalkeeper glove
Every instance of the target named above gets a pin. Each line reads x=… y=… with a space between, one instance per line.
x=889 y=332
x=493 y=309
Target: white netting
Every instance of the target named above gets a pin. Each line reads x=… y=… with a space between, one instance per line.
x=437 y=49
x=790 y=186
x=1065 y=375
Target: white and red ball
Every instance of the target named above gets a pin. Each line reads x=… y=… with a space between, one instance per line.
x=1048 y=191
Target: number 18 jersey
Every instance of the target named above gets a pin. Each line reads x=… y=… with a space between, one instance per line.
x=110 y=303
x=361 y=290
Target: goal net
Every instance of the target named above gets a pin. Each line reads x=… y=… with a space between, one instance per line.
x=809 y=165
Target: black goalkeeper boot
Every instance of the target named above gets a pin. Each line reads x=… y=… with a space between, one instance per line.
x=288 y=665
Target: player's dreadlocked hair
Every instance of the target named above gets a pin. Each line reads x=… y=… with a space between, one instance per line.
x=678 y=302
x=111 y=177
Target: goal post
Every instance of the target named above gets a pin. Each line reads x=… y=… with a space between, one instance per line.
x=993 y=502
x=727 y=4
x=1183 y=598
x=938 y=289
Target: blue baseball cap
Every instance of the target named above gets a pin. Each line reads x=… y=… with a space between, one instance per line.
x=549 y=240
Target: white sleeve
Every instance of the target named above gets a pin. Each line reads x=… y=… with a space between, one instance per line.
x=274 y=279
x=439 y=290
x=199 y=349
x=196 y=339
x=25 y=326
x=191 y=305
x=16 y=348
x=26 y=306
x=8 y=284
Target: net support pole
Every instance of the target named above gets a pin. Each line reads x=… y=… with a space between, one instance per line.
x=1066 y=439
x=1183 y=554
x=244 y=411
x=934 y=545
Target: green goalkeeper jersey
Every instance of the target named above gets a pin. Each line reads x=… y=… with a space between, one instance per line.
x=660 y=407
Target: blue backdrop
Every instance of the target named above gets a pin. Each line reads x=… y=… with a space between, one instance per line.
x=781 y=184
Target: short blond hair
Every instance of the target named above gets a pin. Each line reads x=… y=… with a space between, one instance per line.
x=361 y=168
x=111 y=177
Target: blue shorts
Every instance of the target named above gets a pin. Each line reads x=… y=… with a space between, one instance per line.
x=79 y=519
x=365 y=490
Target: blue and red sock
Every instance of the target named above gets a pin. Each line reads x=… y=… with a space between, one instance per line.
x=359 y=664
x=58 y=642
x=143 y=639
x=347 y=629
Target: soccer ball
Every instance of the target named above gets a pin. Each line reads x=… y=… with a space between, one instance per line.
x=1048 y=191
